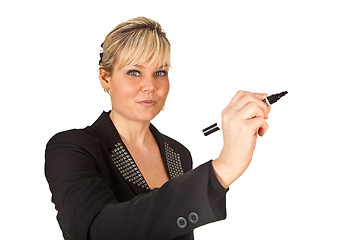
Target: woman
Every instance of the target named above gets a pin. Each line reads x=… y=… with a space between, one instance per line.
x=120 y=178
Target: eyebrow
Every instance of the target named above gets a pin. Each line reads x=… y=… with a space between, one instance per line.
x=163 y=66
x=138 y=66
x=142 y=67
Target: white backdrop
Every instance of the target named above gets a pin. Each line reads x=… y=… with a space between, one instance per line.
x=299 y=184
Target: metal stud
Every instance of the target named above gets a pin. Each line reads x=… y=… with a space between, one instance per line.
x=126 y=166
x=173 y=162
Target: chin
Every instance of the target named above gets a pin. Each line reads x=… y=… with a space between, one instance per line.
x=148 y=118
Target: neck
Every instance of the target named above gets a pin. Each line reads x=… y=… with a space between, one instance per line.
x=135 y=133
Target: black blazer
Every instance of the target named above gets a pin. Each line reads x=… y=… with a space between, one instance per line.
x=100 y=193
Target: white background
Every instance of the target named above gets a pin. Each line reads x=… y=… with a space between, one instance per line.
x=299 y=184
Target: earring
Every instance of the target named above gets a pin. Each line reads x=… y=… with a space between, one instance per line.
x=107 y=91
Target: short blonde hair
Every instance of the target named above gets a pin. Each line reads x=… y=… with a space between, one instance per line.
x=135 y=42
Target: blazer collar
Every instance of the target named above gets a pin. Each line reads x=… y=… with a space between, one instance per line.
x=104 y=128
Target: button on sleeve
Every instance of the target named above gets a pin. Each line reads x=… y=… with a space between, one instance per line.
x=181 y=222
x=193 y=217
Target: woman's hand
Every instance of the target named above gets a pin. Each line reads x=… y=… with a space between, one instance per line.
x=242 y=120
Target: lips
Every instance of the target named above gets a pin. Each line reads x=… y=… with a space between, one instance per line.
x=147 y=102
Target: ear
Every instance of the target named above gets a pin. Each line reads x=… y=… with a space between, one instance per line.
x=104 y=79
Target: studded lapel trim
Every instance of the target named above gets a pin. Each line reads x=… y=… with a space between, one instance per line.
x=127 y=167
x=173 y=161
x=131 y=173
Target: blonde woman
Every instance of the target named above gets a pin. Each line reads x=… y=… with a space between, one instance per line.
x=120 y=178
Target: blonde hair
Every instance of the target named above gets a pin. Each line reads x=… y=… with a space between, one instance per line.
x=135 y=42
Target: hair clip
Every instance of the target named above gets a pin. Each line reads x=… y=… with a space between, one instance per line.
x=101 y=54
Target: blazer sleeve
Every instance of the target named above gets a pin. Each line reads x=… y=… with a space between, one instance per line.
x=88 y=209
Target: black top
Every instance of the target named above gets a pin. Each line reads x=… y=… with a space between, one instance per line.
x=100 y=193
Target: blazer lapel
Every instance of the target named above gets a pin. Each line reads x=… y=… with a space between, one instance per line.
x=123 y=161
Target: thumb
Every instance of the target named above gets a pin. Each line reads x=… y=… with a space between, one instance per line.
x=261 y=96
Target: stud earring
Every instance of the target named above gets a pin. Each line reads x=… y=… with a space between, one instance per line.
x=107 y=91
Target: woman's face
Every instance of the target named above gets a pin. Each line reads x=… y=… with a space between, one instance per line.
x=138 y=93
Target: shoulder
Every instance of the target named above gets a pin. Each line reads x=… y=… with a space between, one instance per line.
x=82 y=140
x=72 y=136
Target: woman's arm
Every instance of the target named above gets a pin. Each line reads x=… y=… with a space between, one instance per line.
x=157 y=215
x=88 y=209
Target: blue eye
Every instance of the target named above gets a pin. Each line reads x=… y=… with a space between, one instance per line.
x=161 y=73
x=133 y=73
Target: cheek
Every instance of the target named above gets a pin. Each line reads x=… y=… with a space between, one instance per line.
x=165 y=89
x=122 y=90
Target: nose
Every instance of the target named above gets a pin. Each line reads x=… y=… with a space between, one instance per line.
x=149 y=84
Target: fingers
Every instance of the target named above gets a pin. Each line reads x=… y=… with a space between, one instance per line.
x=251 y=110
x=241 y=93
x=247 y=111
x=242 y=98
x=256 y=120
x=263 y=128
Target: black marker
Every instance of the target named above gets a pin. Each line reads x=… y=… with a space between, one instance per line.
x=269 y=100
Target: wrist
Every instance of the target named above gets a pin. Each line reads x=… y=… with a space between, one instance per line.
x=224 y=173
